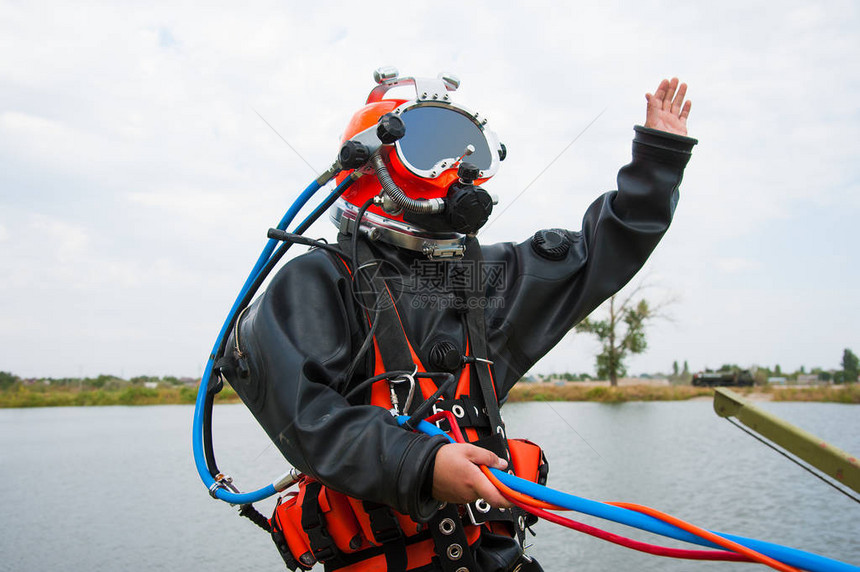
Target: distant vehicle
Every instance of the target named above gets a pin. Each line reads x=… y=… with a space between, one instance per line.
x=723 y=378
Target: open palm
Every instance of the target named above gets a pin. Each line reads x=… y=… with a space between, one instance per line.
x=667 y=110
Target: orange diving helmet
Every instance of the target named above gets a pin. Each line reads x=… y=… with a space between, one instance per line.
x=422 y=160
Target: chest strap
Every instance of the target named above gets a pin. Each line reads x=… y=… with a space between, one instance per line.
x=469 y=413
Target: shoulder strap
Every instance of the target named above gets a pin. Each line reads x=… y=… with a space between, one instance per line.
x=477 y=330
x=374 y=295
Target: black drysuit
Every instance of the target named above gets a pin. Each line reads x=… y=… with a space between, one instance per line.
x=303 y=332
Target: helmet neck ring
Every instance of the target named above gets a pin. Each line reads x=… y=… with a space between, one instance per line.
x=398 y=233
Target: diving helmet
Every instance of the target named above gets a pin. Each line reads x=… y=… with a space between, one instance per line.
x=422 y=162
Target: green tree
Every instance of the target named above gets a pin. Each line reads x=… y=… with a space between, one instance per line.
x=675 y=368
x=622 y=333
x=850 y=365
x=777 y=371
x=7 y=380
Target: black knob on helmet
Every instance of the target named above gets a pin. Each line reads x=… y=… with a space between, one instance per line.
x=468 y=172
x=468 y=208
x=390 y=128
x=353 y=155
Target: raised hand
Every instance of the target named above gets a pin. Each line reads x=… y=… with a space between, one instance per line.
x=667 y=110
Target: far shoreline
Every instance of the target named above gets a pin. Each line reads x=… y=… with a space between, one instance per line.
x=24 y=396
x=662 y=390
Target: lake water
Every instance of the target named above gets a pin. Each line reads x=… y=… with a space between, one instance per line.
x=114 y=488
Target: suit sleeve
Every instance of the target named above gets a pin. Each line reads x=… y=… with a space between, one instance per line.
x=544 y=298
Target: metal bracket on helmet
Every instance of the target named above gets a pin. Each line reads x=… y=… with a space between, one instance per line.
x=426 y=89
x=400 y=234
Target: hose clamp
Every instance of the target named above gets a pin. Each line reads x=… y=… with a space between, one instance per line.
x=222 y=481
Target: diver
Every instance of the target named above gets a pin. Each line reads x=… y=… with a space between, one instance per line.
x=408 y=315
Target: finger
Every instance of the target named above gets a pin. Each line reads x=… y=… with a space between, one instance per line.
x=670 y=93
x=481 y=456
x=685 y=112
x=660 y=94
x=678 y=102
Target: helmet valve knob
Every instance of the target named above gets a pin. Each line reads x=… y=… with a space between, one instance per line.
x=353 y=155
x=390 y=128
x=468 y=172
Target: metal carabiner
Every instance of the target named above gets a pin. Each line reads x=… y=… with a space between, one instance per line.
x=395 y=402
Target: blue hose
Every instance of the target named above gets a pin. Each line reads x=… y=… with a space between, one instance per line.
x=790 y=556
x=197 y=431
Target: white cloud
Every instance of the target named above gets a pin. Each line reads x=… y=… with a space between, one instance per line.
x=133 y=159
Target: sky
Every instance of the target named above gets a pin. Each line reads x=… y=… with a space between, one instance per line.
x=137 y=180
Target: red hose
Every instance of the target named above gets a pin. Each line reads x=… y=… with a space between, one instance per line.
x=538 y=508
x=629 y=542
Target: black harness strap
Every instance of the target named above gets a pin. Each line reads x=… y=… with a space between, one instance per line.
x=450 y=542
x=477 y=330
x=313 y=523
x=386 y=530
x=390 y=336
x=468 y=412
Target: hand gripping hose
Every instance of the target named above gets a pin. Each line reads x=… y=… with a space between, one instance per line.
x=785 y=558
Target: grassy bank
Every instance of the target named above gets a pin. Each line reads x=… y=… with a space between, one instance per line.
x=604 y=394
x=848 y=393
x=39 y=396
x=573 y=392
x=24 y=396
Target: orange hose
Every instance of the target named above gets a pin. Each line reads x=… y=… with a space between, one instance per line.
x=508 y=491
x=707 y=535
